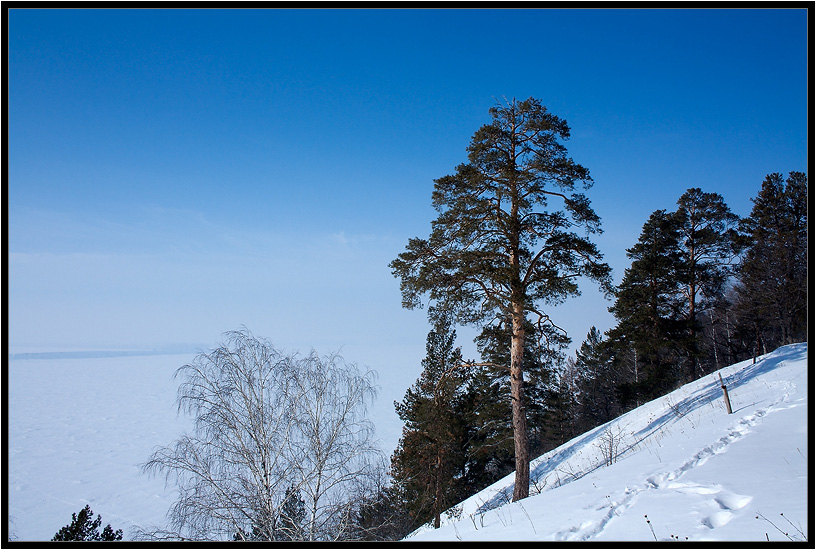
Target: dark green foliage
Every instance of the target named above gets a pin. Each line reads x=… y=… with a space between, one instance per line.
x=495 y=239
x=511 y=235
x=490 y=453
x=287 y=526
x=429 y=460
x=771 y=296
x=562 y=421
x=292 y=514
x=680 y=313
x=598 y=382
x=709 y=246
x=83 y=527
x=383 y=516
x=258 y=533
x=680 y=267
x=491 y=446
x=648 y=307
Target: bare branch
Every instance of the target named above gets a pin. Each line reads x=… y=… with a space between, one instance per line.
x=265 y=426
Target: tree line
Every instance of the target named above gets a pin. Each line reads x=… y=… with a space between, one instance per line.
x=281 y=448
x=704 y=289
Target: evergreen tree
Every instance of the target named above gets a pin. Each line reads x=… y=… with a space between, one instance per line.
x=507 y=239
x=648 y=308
x=83 y=527
x=383 y=516
x=772 y=289
x=490 y=448
x=598 y=382
x=292 y=514
x=709 y=247
x=563 y=415
x=735 y=334
x=429 y=460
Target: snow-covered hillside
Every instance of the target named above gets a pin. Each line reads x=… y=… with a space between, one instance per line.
x=684 y=469
x=79 y=428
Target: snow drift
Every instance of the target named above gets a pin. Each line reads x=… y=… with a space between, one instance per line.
x=678 y=467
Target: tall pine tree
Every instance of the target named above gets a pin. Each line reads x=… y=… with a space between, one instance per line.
x=709 y=246
x=647 y=307
x=511 y=236
x=772 y=289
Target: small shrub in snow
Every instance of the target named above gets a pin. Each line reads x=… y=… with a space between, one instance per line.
x=455 y=512
x=609 y=444
x=800 y=537
x=538 y=483
x=649 y=523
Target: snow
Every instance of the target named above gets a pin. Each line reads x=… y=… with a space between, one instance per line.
x=78 y=428
x=692 y=470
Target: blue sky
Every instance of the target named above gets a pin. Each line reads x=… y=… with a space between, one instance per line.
x=175 y=174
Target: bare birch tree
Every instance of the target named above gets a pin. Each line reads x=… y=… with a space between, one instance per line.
x=268 y=428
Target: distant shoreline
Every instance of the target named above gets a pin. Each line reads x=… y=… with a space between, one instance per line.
x=99 y=354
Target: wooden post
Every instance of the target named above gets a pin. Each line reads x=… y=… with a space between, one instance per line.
x=725 y=394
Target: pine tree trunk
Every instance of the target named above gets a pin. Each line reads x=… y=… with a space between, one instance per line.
x=521 y=488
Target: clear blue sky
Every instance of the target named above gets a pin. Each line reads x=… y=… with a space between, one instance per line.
x=174 y=174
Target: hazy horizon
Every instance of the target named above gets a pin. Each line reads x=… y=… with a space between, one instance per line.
x=177 y=174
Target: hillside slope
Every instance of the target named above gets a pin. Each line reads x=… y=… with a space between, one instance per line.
x=681 y=468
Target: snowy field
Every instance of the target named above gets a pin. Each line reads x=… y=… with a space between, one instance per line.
x=80 y=424
x=694 y=471
x=79 y=428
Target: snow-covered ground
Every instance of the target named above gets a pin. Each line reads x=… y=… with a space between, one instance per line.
x=687 y=470
x=79 y=428
x=80 y=423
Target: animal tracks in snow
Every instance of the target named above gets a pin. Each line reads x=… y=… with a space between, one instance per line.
x=721 y=502
x=742 y=428
x=736 y=433
x=728 y=503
